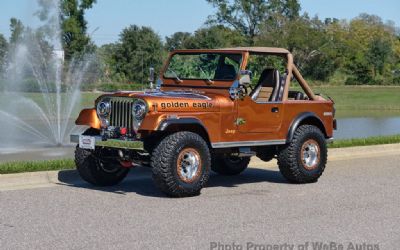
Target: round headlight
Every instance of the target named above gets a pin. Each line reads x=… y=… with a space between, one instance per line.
x=139 y=109
x=103 y=108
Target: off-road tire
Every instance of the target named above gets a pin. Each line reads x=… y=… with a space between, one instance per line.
x=90 y=169
x=164 y=162
x=290 y=160
x=229 y=165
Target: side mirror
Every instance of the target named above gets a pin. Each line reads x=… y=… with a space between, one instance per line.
x=238 y=90
x=245 y=80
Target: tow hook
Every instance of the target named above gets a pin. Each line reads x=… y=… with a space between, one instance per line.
x=126 y=164
x=125 y=161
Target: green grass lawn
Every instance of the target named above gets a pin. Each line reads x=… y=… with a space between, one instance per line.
x=375 y=140
x=363 y=98
x=359 y=101
x=34 y=166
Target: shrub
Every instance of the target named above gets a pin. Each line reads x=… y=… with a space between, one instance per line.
x=111 y=87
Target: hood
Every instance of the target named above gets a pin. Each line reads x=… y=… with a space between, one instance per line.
x=178 y=101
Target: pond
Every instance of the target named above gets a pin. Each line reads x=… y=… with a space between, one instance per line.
x=360 y=127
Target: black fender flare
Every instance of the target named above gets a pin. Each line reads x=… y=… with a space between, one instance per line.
x=185 y=121
x=163 y=126
x=299 y=119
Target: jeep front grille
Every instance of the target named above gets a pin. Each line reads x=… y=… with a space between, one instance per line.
x=121 y=113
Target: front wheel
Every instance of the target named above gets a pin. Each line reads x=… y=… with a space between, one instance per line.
x=181 y=164
x=96 y=171
x=303 y=160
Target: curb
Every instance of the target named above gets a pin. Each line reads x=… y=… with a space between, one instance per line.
x=70 y=177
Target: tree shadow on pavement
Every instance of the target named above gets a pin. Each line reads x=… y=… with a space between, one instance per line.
x=139 y=181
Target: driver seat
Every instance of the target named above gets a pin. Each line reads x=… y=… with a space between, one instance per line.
x=267 y=87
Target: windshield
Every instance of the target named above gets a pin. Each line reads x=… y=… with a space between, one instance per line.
x=203 y=66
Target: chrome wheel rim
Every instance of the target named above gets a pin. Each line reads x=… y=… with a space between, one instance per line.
x=189 y=165
x=310 y=154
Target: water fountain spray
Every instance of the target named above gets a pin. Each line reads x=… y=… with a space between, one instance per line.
x=41 y=91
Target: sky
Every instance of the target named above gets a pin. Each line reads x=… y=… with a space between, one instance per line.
x=108 y=17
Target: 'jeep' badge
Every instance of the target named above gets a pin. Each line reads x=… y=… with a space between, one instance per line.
x=230 y=131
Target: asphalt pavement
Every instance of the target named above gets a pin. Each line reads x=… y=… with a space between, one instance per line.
x=356 y=203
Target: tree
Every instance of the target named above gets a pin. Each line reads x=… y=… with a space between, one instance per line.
x=17 y=29
x=211 y=37
x=287 y=8
x=246 y=16
x=106 y=53
x=359 y=70
x=178 y=40
x=370 y=49
x=138 y=49
x=74 y=26
x=377 y=55
x=75 y=41
x=214 y=37
x=307 y=39
x=3 y=51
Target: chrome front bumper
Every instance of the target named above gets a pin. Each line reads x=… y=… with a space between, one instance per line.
x=111 y=143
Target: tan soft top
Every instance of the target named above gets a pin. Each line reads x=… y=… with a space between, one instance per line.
x=259 y=50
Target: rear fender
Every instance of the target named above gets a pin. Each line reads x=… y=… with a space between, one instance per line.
x=305 y=118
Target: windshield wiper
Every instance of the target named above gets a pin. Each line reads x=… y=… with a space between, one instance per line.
x=176 y=77
x=208 y=80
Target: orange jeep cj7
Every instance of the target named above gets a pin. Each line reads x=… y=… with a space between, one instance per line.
x=210 y=110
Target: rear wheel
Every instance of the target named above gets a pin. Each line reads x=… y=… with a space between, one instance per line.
x=230 y=165
x=181 y=164
x=303 y=160
x=97 y=171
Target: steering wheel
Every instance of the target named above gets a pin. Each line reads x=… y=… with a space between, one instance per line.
x=228 y=77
